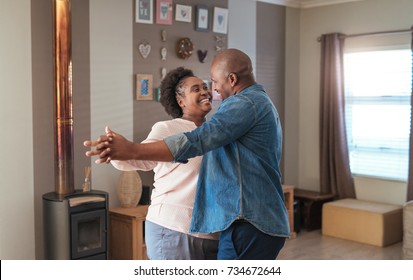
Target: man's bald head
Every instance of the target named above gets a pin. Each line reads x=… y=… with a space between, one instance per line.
x=235 y=66
x=234 y=61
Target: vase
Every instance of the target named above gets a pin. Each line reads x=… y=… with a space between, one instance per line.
x=129 y=188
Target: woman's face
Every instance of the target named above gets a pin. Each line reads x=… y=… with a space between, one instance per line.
x=197 y=98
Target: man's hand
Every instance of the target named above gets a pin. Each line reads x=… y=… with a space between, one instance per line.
x=108 y=147
x=114 y=146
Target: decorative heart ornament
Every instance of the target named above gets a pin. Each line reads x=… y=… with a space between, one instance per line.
x=145 y=50
x=202 y=55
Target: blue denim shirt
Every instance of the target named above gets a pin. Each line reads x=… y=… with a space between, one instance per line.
x=240 y=176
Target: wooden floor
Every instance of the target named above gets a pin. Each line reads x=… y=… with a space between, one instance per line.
x=311 y=245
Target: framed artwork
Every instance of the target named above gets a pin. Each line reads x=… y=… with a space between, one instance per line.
x=220 y=20
x=144 y=89
x=164 y=12
x=183 y=13
x=144 y=11
x=202 y=18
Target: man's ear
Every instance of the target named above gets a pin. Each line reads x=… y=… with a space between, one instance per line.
x=233 y=79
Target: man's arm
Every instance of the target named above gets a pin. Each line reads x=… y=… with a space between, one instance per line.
x=115 y=146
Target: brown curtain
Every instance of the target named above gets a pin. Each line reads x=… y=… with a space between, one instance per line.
x=410 y=179
x=335 y=174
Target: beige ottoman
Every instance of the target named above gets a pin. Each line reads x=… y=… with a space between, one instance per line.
x=363 y=221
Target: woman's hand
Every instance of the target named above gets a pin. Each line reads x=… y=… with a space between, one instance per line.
x=109 y=146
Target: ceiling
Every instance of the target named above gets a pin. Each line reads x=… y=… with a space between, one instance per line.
x=307 y=3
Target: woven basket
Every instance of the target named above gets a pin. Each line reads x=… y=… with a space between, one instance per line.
x=129 y=188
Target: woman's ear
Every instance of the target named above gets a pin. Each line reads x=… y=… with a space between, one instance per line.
x=180 y=101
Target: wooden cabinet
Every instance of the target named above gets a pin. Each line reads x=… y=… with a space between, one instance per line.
x=126 y=233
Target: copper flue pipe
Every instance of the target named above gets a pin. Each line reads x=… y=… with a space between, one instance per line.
x=63 y=132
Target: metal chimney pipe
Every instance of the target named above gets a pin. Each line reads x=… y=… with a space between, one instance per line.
x=63 y=111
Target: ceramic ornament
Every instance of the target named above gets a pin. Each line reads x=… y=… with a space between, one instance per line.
x=145 y=50
x=163 y=54
x=163 y=73
x=219 y=43
x=163 y=35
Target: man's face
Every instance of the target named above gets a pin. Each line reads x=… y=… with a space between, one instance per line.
x=220 y=81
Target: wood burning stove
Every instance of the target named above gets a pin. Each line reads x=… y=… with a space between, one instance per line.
x=74 y=222
x=75 y=225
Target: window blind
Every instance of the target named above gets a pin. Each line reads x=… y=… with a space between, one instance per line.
x=377 y=90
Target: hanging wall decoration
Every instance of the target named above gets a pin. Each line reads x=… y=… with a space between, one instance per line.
x=202 y=55
x=163 y=35
x=183 y=13
x=184 y=48
x=164 y=12
x=163 y=53
x=219 y=43
x=163 y=73
x=202 y=18
x=144 y=89
x=220 y=20
x=144 y=11
x=144 y=49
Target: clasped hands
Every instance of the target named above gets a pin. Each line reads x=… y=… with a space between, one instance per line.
x=108 y=147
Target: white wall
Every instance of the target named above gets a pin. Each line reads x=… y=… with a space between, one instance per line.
x=349 y=18
x=111 y=80
x=242 y=27
x=16 y=141
x=292 y=86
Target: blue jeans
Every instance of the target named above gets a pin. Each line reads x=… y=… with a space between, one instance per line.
x=166 y=244
x=243 y=241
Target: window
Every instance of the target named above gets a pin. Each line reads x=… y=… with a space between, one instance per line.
x=378 y=86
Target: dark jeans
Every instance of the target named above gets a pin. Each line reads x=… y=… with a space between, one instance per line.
x=243 y=241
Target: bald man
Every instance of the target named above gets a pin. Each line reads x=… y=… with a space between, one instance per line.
x=239 y=192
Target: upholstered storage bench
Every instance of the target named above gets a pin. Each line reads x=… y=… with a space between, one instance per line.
x=363 y=221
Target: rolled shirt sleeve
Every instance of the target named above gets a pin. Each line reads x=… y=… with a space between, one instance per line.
x=177 y=144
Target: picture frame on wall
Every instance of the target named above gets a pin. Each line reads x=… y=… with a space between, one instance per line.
x=144 y=11
x=164 y=12
x=202 y=18
x=144 y=87
x=220 y=20
x=183 y=13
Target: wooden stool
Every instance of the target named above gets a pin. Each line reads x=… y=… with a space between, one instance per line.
x=311 y=203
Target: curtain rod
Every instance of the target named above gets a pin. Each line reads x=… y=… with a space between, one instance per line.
x=374 y=33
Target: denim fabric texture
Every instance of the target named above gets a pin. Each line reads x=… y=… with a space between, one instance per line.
x=243 y=241
x=240 y=174
x=167 y=244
